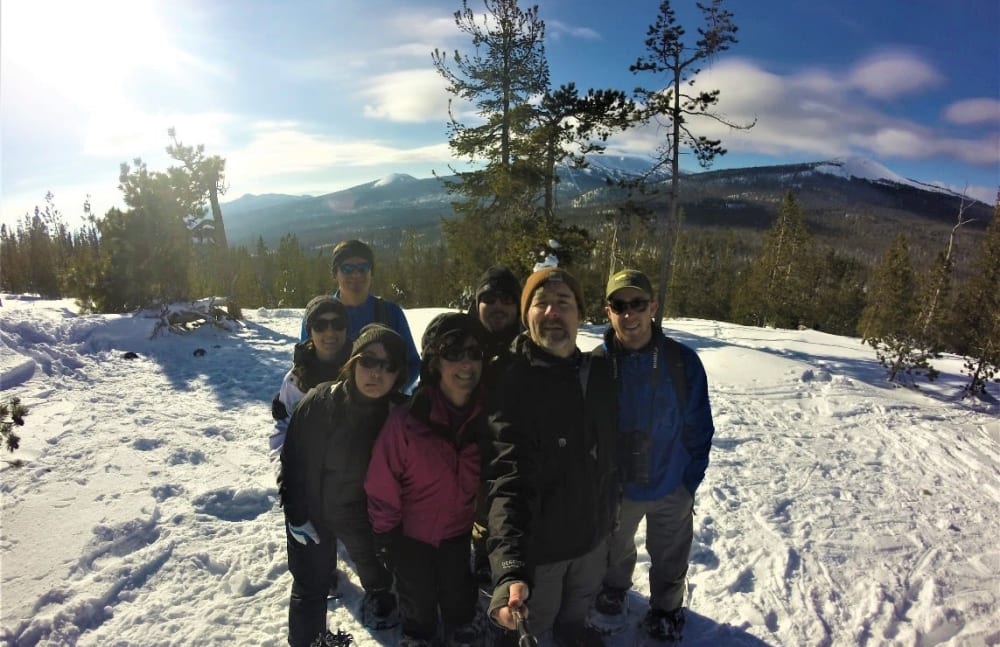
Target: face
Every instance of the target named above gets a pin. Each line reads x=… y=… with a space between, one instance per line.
x=328 y=333
x=354 y=283
x=460 y=375
x=497 y=310
x=634 y=325
x=379 y=380
x=553 y=318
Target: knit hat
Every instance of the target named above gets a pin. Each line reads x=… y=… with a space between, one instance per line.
x=498 y=278
x=321 y=305
x=346 y=249
x=628 y=279
x=546 y=275
x=394 y=346
x=443 y=331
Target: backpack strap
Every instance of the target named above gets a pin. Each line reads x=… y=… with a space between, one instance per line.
x=381 y=314
x=675 y=364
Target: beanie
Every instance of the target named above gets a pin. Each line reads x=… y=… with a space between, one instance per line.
x=540 y=278
x=498 y=278
x=321 y=305
x=346 y=249
x=444 y=330
x=395 y=348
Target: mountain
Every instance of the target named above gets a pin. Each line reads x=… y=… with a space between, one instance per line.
x=853 y=203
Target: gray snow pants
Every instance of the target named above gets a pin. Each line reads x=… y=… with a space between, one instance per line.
x=669 y=532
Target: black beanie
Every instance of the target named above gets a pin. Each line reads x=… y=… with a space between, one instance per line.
x=498 y=278
x=321 y=305
x=444 y=330
x=346 y=249
x=395 y=348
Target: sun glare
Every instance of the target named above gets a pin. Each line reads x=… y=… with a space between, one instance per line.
x=81 y=49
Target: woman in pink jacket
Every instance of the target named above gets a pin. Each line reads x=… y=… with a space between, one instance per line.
x=422 y=483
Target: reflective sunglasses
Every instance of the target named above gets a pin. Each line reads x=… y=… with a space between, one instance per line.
x=321 y=325
x=351 y=268
x=372 y=362
x=457 y=354
x=489 y=298
x=618 y=306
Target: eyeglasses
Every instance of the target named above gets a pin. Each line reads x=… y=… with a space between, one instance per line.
x=618 y=306
x=352 y=268
x=457 y=354
x=489 y=298
x=372 y=362
x=321 y=325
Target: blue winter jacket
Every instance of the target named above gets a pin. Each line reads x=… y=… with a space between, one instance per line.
x=680 y=440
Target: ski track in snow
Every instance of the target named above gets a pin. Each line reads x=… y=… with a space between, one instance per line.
x=835 y=510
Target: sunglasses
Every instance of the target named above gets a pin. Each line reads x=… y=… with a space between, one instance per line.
x=321 y=325
x=372 y=362
x=351 y=268
x=456 y=354
x=618 y=306
x=489 y=298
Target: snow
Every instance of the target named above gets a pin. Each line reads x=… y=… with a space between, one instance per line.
x=863 y=168
x=837 y=510
x=393 y=178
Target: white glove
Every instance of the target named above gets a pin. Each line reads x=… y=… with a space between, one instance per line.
x=304 y=533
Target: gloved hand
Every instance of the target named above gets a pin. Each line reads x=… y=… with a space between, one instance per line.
x=383 y=547
x=304 y=534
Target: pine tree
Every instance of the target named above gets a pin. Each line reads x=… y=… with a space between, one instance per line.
x=888 y=323
x=779 y=288
x=675 y=62
x=977 y=313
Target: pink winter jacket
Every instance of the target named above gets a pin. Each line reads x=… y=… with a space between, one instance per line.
x=424 y=474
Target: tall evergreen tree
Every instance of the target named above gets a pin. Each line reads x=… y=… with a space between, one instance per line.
x=675 y=62
x=205 y=177
x=889 y=321
x=977 y=313
x=779 y=288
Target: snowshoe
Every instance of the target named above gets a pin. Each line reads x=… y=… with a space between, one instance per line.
x=379 y=610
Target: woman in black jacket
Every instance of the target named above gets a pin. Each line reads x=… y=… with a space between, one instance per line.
x=323 y=463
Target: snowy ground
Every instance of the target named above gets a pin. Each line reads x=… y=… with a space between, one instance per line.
x=837 y=510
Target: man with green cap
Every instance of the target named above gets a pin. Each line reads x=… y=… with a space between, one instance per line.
x=665 y=433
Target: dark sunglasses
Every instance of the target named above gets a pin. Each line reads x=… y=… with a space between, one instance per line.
x=457 y=354
x=372 y=362
x=351 y=268
x=321 y=325
x=489 y=298
x=618 y=306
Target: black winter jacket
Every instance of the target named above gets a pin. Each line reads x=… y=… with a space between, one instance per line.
x=327 y=451
x=554 y=487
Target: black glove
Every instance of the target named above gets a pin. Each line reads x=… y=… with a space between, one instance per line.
x=278 y=410
x=383 y=547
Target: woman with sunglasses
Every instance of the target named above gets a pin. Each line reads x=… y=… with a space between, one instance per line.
x=318 y=359
x=323 y=463
x=422 y=484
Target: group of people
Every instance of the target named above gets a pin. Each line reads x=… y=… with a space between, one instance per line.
x=499 y=453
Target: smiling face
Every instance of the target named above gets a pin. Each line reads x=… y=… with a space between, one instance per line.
x=330 y=340
x=355 y=284
x=633 y=326
x=460 y=377
x=377 y=381
x=553 y=318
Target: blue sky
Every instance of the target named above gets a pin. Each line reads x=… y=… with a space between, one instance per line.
x=311 y=97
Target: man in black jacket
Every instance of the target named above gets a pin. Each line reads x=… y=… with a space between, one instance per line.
x=554 y=485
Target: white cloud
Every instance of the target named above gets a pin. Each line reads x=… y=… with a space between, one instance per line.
x=557 y=29
x=409 y=96
x=893 y=74
x=974 y=111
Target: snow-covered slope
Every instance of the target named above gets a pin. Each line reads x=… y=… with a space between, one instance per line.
x=863 y=168
x=836 y=511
